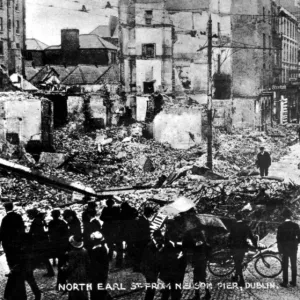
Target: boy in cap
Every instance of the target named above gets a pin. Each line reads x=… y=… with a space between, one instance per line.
x=99 y=266
x=288 y=237
x=263 y=161
x=77 y=267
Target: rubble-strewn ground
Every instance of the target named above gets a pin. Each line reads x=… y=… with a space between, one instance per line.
x=121 y=163
x=121 y=159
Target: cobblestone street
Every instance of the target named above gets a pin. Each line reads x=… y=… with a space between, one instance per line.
x=221 y=288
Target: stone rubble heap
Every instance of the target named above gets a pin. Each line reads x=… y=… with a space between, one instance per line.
x=120 y=156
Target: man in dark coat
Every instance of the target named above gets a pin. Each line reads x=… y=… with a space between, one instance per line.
x=151 y=262
x=40 y=239
x=99 y=266
x=172 y=269
x=58 y=235
x=288 y=237
x=59 y=241
x=111 y=229
x=239 y=234
x=90 y=225
x=73 y=223
x=200 y=249
x=77 y=268
x=142 y=237
x=11 y=235
x=11 y=232
x=263 y=162
x=128 y=227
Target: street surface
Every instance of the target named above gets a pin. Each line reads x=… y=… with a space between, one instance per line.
x=287 y=167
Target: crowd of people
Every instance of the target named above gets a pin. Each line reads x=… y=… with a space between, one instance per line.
x=84 y=249
x=81 y=249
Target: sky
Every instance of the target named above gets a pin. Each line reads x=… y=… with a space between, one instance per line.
x=45 y=18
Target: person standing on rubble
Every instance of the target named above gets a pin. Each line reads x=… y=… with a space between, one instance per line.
x=111 y=230
x=239 y=234
x=263 y=162
x=40 y=239
x=288 y=238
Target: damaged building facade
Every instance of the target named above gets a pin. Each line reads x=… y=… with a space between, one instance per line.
x=164 y=48
x=26 y=119
x=12 y=34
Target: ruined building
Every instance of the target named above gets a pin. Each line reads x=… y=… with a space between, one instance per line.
x=146 y=45
x=164 y=47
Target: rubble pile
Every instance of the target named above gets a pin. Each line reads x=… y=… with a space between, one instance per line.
x=121 y=156
x=236 y=153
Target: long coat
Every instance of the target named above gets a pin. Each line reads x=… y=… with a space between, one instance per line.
x=39 y=238
x=75 y=227
x=78 y=271
x=263 y=160
x=58 y=234
x=173 y=263
x=11 y=231
x=111 y=226
x=99 y=264
x=151 y=262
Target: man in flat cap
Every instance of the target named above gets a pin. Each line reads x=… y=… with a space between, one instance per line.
x=263 y=161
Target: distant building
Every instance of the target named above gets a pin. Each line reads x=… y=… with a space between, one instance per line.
x=75 y=49
x=146 y=45
x=288 y=28
x=35 y=54
x=12 y=35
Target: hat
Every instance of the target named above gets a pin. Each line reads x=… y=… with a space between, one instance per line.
x=261 y=147
x=76 y=241
x=98 y=236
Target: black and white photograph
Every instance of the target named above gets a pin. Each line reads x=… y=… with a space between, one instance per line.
x=149 y=149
